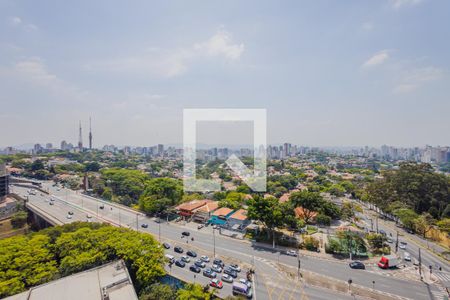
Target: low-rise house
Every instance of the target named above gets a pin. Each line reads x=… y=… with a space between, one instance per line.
x=221 y=216
x=204 y=213
x=238 y=220
x=188 y=209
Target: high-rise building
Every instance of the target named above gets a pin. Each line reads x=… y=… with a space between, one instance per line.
x=4 y=181
x=48 y=146
x=64 y=145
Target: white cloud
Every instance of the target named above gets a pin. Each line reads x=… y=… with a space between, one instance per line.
x=221 y=44
x=397 y=4
x=416 y=78
x=172 y=63
x=377 y=59
x=18 y=22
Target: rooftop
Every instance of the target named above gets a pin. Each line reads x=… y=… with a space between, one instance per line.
x=223 y=211
x=240 y=214
x=110 y=281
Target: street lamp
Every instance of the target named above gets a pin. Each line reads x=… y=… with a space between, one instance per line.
x=214 y=243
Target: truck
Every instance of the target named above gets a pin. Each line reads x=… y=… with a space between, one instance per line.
x=240 y=288
x=389 y=261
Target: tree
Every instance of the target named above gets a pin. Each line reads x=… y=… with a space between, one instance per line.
x=158 y=291
x=424 y=223
x=377 y=243
x=233 y=200
x=444 y=225
x=194 y=292
x=311 y=202
x=323 y=219
x=310 y=243
x=267 y=211
x=407 y=217
x=19 y=219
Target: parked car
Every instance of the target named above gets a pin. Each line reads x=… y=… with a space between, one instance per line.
x=88 y=216
x=291 y=253
x=101 y=206
x=70 y=212
x=381 y=231
x=191 y=253
x=185 y=258
x=407 y=256
x=219 y=262
x=235 y=267
x=144 y=225
x=180 y=263
x=185 y=233
x=390 y=241
x=178 y=249
x=227 y=278
x=170 y=258
x=216 y=269
x=69 y=216
x=195 y=269
x=246 y=282
x=51 y=203
x=230 y=272
x=357 y=265
x=166 y=245
x=209 y=273
x=204 y=258
x=200 y=226
x=200 y=264
x=216 y=283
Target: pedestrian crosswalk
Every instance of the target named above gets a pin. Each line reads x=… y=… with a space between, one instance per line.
x=443 y=276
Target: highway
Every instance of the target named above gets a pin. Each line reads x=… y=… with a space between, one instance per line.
x=270 y=282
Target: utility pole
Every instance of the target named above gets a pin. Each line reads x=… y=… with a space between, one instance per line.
x=396 y=244
x=371 y=224
x=159 y=227
x=298 y=264
x=420 y=265
x=137 y=222
x=214 y=237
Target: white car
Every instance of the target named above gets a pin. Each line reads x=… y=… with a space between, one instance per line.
x=402 y=245
x=69 y=216
x=407 y=256
x=291 y=253
x=204 y=258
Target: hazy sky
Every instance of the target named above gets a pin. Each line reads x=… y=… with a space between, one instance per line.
x=328 y=72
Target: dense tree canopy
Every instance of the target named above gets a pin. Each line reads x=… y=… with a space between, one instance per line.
x=39 y=257
x=416 y=186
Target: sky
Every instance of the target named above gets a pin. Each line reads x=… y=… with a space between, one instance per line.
x=329 y=73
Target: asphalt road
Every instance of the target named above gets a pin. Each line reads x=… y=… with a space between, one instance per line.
x=268 y=284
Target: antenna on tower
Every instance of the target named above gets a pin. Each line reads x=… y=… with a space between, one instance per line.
x=90 y=134
x=80 y=139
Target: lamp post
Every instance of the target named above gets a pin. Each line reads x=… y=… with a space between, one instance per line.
x=214 y=241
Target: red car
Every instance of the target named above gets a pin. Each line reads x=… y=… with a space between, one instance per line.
x=216 y=283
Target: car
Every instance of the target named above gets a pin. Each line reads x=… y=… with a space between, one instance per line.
x=357 y=265
x=101 y=206
x=178 y=249
x=204 y=258
x=200 y=226
x=52 y=199
x=195 y=269
x=215 y=226
x=185 y=258
x=69 y=217
x=389 y=240
x=402 y=245
x=88 y=216
x=185 y=233
x=381 y=231
x=291 y=253
x=230 y=272
x=227 y=278
x=209 y=273
x=409 y=230
x=158 y=220
x=200 y=264
x=235 y=267
x=246 y=282
x=144 y=225
x=180 y=263
x=58 y=189
x=51 y=203
x=170 y=258
x=219 y=262
x=216 y=283
x=216 y=268
x=407 y=256
x=70 y=212
x=191 y=253
x=166 y=245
